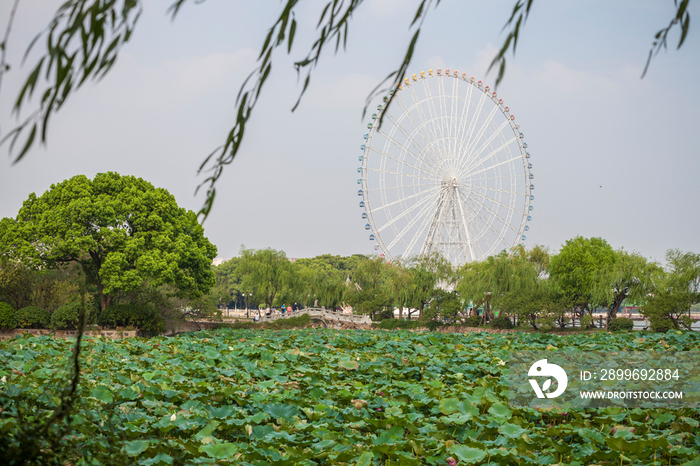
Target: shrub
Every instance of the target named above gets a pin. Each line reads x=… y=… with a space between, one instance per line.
x=143 y=317
x=472 y=321
x=66 y=317
x=662 y=325
x=501 y=322
x=620 y=323
x=7 y=316
x=32 y=317
x=289 y=322
x=433 y=325
x=586 y=321
x=393 y=324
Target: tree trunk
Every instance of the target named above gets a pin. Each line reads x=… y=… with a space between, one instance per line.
x=105 y=300
x=615 y=306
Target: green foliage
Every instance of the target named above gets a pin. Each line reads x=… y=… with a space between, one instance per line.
x=620 y=323
x=662 y=325
x=486 y=283
x=300 y=321
x=16 y=280
x=628 y=276
x=473 y=321
x=405 y=398
x=443 y=307
x=501 y=322
x=121 y=231
x=677 y=291
x=370 y=291
x=398 y=324
x=7 y=316
x=66 y=317
x=143 y=317
x=32 y=317
x=576 y=268
x=540 y=304
x=433 y=325
x=266 y=273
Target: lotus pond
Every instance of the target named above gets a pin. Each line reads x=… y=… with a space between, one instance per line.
x=313 y=397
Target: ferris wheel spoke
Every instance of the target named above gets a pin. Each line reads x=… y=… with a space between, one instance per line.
x=400 y=161
x=505 y=191
x=474 y=156
x=401 y=174
x=498 y=234
x=464 y=119
x=393 y=203
x=455 y=108
x=496 y=178
x=496 y=165
x=434 y=115
x=398 y=186
x=484 y=237
x=444 y=123
x=464 y=224
x=484 y=126
x=402 y=130
x=424 y=129
x=496 y=214
x=410 y=224
x=417 y=235
x=472 y=125
x=417 y=128
x=422 y=205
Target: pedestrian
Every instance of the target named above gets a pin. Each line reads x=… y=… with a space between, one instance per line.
x=289 y=309
x=316 y=303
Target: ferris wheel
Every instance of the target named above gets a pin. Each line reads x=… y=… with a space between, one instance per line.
x=448 y=172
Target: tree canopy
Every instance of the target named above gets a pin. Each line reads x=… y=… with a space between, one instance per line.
x=576 y=267
x=120 y=230
x=266 y=273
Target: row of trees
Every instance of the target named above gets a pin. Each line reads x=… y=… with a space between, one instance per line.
x=540 y=288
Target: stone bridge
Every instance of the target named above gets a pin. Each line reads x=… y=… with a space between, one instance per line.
x=320 y=314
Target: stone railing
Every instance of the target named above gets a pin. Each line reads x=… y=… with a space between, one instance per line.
x=319 y=312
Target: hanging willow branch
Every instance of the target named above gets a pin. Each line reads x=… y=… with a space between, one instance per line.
x=84 y=38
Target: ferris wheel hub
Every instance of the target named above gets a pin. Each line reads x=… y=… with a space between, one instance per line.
x=448 y=171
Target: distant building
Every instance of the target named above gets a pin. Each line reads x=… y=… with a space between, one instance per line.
x=219 y=261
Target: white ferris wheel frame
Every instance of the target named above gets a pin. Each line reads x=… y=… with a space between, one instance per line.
x=470 y=191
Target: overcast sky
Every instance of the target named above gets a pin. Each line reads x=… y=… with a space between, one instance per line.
x=614 y=156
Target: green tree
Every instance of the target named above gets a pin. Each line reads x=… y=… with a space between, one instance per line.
x=119 y=229
x=541 y=304
x=370 y=291
x=16 y=283
x=319 y=280
x=677 y=291
x=84 y=39
x=484 y=283
x=629 y=276
x=266 y=273
x=228 y=281
x=576 y=268
x=426 y=278
x=445 y=305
